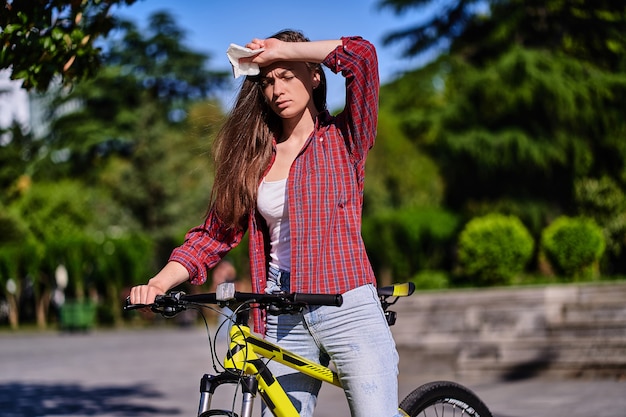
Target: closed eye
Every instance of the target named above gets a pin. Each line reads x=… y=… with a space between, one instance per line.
x=286 y=75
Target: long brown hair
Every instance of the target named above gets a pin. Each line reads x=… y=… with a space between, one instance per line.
x=243 y=146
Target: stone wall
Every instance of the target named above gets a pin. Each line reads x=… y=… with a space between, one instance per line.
x=568 y=330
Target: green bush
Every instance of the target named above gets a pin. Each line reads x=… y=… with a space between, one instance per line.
x=604 y=201
x=493 y=249
x=574 y=246
x=431 y=280
x=406 y=241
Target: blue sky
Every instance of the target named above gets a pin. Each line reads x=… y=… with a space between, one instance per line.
x=211 y=25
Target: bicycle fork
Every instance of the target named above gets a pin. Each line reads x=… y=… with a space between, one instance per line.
x=209 y=383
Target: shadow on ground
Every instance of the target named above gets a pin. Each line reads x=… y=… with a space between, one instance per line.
x=21 y=399
x=531 y=369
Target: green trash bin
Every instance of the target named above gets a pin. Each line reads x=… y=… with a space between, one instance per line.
x=78 y=316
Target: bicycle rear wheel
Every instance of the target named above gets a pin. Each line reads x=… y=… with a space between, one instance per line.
x=444 y=398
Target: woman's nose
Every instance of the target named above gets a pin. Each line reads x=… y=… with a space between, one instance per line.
x=279 y=87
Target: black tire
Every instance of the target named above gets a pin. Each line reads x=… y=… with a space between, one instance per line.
x=434 y=398
x=225 y=413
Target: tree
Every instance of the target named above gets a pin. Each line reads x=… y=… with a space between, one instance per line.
x=443 y=23
x=605 y=202
x=157 y=57
x=527 y=127
x=122 y=173
x=41 y=40
x=399 y=175
x=18 y=252
x=589 y=30
x=16 y=161
x=403 y=228
x=526 y=103
x=58 y=223
x=128 y=132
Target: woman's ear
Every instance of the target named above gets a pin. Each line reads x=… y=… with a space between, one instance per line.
x=317 y=78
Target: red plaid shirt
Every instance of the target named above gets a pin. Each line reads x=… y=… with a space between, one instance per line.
x=325 y=195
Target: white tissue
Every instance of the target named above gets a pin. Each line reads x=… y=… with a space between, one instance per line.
x=235 y=52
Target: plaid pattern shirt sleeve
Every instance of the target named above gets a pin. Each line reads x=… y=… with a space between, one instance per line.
x=204 y=247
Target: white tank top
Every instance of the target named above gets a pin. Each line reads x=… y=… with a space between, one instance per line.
x=272 y=204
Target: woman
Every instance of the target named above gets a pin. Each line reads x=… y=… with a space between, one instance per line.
x=292 y=176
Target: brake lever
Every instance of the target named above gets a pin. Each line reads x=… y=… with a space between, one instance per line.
x=168 y=305
x=287 y=307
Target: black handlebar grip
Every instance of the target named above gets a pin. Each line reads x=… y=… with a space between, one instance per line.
x=319 y=299
x=208 y=298
x=128 y=306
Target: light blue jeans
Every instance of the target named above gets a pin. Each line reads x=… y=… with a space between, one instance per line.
x=355 y=337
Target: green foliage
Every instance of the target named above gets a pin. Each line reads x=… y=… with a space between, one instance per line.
x=81 y=228
x=604 y=201
x=527 y=124
x=524 y=117
x=525 y=128
x=40 y=41
x=128 y=135
x=590 y=30
x=439 y=26
x=431 y=280
x=411 y=180
x=135 y=141
x=71 y=223
x=123 y=258
x=574 y=245
x=57 y=211
x=20 y=252
x=16 y=158
x=165 y=68
x=528 y=103
x=405 y=241
x=492 y=249
x=12 y=229
x=534 y=214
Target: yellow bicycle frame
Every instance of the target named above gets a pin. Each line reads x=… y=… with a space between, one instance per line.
x=244 y=355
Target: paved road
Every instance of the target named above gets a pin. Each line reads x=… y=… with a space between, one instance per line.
x=156 y=372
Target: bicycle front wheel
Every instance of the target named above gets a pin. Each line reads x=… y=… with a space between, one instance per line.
x=444 y=398
x=220 y=413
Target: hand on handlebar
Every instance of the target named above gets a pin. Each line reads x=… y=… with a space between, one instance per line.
x=144 y=294
x=170 y=276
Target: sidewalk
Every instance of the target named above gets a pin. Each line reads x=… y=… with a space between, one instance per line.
x=156 y=372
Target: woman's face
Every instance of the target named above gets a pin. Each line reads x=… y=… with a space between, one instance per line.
x=288 y=88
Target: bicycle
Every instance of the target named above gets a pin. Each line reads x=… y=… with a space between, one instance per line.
x=244 y=366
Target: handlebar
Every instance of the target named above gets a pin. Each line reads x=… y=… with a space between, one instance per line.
x=173 y=303
x=176 y=301
x=278 y=299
